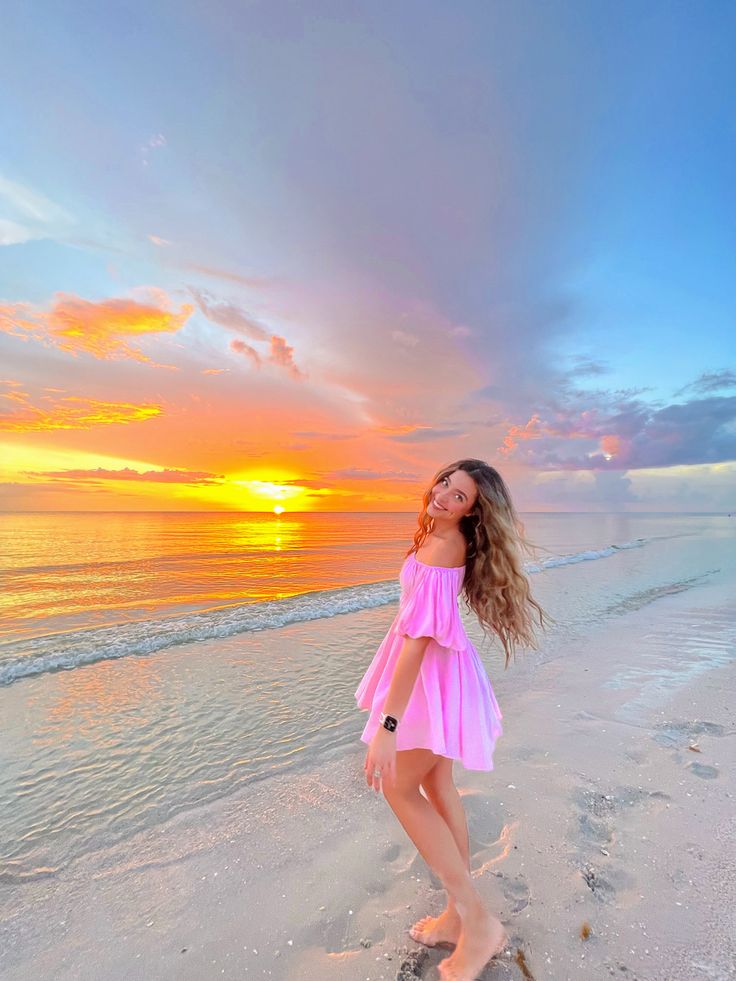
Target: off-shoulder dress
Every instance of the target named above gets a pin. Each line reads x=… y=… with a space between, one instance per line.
x=452 y=709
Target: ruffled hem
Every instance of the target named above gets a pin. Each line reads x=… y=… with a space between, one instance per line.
x=475 y=761
x=452 y=710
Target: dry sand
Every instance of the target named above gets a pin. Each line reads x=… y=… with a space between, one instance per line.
x=611 y=810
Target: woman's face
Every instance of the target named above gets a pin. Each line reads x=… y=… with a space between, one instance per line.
x=452 y=497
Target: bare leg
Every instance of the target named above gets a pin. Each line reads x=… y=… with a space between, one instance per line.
x=438 y=785
x=481 y=934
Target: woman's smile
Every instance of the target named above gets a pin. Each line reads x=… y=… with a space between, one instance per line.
x=452 y=496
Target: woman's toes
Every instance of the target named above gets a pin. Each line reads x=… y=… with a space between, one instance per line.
x=434 y=931
x=417 y=930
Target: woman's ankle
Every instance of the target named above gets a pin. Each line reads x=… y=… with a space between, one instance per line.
x=470 y=907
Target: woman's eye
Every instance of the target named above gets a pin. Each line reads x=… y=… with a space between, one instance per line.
x=457 y=496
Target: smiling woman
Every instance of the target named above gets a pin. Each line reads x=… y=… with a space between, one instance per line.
x=233 y=330
x=429 y=698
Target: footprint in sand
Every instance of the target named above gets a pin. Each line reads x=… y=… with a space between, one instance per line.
x=335 y=934
x=596 y=832
x=685 y=735
x=375 y=887
x=680 y=734
x=598 y=884
x=339 y=935
x=704 y=771
x=599 y=813
x=653 y=801
x=487 y=813
x=593 y=821
x=599 y=809
x=516 y=891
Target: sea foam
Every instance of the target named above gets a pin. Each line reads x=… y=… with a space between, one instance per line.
x=64 y=651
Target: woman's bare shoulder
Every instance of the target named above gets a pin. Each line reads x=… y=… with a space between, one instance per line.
x=445 y=552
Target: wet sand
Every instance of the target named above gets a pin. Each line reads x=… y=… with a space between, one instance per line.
x=603 y=840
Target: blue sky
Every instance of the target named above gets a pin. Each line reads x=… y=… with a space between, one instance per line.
x=408 y=232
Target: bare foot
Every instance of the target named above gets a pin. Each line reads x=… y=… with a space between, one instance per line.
x=437 y=931
x=481 y=938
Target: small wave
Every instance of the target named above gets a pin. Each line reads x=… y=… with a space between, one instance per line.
x=70 y=650
x=589 y=555
x=65 y=651
x=645 y=596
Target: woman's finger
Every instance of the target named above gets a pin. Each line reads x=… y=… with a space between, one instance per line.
x=370 y=773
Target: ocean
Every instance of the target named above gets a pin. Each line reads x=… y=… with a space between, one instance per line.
x=151 y=663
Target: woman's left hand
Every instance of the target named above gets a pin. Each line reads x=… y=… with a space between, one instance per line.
x=381 y=756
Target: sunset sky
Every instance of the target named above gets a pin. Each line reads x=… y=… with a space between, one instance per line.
x=259 y=254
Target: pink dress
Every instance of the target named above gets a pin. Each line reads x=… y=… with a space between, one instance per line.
x=452 y=709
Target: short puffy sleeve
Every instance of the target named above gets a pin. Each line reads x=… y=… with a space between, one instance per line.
x=430 y=608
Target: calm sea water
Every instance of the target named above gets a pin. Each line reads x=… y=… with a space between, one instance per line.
x=77 y=588
x=152 y=662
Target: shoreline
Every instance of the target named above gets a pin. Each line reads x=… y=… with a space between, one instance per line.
x=611 y=805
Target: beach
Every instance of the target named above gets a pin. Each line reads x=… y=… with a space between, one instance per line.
x=602 y=838
x=316 y=319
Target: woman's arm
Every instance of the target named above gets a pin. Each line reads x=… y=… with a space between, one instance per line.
x=405 y=675
x=381 y=753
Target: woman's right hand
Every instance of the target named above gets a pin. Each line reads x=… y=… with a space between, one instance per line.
x=381 y=756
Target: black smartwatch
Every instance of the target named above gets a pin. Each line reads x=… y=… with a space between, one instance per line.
x=388 y=722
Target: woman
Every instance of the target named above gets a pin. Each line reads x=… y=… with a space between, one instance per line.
x=430 y=699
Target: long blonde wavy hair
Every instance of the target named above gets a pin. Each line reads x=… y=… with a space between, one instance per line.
x=495 y=587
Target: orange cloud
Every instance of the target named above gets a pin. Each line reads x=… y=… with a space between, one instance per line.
x=611 y=445
x=229 y=315
x=127 y=473
x=282 y=354
x=242 y=348
x=70 y=412
x=233 y=318
x=97 y=328
x=516 y=434
x=21 y=397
